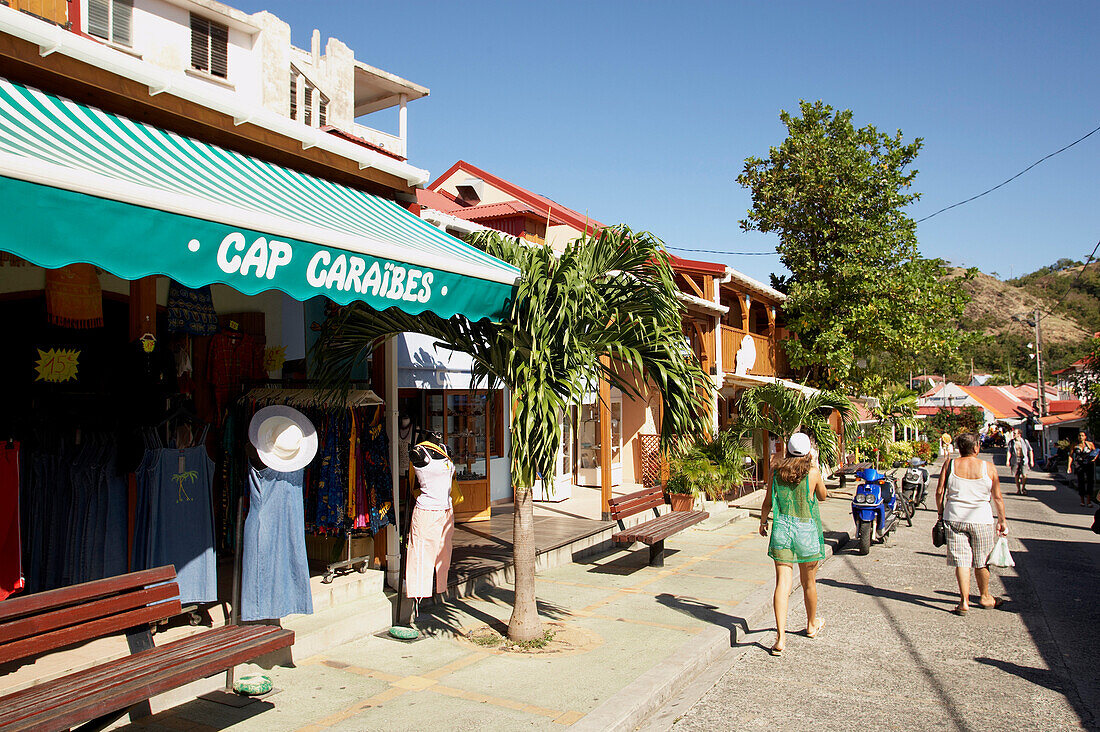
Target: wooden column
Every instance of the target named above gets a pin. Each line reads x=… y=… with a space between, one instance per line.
x=745 y=302
x=773 y=345
x=143 y=319
x=605 y=445
x=143 y=307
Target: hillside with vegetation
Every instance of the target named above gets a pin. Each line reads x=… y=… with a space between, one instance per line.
x=998 y=312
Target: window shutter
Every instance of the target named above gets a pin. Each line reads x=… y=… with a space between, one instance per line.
x=200 y=43
x=122 y=21
x=322 y=112
x=308 y=102
x=219 y=50
x=99 y=18
x=293 y=95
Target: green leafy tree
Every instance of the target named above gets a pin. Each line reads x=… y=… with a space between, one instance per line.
x=897 y=409
x=782 y=411
x=862 y=300
x=604 y=307
x=956 y=420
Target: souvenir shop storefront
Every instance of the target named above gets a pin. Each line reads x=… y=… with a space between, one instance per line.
x=156 y=292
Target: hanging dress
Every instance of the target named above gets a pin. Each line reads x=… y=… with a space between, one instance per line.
x=274 y=568
x=796 y=535
x=174 y=519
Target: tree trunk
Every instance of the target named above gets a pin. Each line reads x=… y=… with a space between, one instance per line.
x=524 y=623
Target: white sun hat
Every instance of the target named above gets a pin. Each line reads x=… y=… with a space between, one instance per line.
x=799 y=444
x=284 y=438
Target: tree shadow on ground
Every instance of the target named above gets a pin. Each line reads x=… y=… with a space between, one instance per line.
x=888 y=594
x=707 y=613
x=1039 y=676
x=451 y=616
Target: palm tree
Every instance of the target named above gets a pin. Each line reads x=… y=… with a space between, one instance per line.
x=897 y=409
x=605 y=307
x=783 y=411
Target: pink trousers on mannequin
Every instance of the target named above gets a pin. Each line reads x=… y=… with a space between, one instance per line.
x=430 y=538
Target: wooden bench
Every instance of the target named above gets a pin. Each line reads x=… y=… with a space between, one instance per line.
x=129 y=604
x=656 y=530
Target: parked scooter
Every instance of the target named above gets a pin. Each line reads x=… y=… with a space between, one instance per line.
x=877 y=507
x=914 y=484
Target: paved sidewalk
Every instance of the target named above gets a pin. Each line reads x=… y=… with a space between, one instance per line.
x=628 y=621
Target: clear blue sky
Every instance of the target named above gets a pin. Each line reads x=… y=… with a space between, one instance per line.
x=643 y=112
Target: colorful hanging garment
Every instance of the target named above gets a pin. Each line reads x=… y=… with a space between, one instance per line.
x=191 y=310
x=74 y=298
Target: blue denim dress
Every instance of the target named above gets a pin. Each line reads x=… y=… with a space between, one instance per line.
x=174 y=520
x=274 y=568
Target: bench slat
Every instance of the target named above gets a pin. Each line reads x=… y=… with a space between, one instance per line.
x=91 y=629
x=642 y=530
x=53 y=599
x=72 y=710
x=636 y=502
x=632 y=496
x=638 y=507
x=36 y=625
x=653 y=531
x=88 y=680
x=34 y=700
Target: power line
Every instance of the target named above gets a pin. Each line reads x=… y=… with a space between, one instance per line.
x=1075 y=281
x=1045 y=157
x=720 y=251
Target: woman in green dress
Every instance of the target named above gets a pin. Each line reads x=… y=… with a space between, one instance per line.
x=796 y=535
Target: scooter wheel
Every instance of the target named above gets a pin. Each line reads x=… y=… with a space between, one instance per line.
x=866 y=532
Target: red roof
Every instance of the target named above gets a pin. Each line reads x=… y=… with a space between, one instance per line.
x=1063 y=406
x=336 y=132
x=1061 y=418
x=498 y=210
x=929 y=411
x=710 y=268
x=1000 y=400
x=436 y=200
x=543 y=205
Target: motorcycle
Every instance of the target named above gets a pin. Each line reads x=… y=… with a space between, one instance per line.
x=914 y=484
x=877 y=507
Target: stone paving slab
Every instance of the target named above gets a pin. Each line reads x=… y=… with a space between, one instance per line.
x=640 y=617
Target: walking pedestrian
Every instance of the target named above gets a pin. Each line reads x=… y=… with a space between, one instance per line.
x=1020 y=458
x=1082 y=465
x=945 y=446
x=796 y=534
x=967 y=487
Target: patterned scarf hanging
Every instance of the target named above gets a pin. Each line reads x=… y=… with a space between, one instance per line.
x=73 y=297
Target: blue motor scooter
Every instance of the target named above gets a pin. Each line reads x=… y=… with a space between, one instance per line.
x=875 y=507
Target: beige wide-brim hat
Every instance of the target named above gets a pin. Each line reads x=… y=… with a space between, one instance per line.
x=284 y=438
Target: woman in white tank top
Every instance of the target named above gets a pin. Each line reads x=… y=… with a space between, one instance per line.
x=967 y=492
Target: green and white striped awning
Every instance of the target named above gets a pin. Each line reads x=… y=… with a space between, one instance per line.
x=83 y=185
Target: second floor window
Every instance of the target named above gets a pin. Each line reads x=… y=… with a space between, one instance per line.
x=111 y=20
x=209 y=47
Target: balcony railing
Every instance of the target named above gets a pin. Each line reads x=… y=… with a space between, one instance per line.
x=770 y=360
x=389 y=143
x=55 y=11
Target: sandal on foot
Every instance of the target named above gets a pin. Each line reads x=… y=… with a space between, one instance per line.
x=960 y=611
x=820 y=625
x=997 y=602
x=775 y=651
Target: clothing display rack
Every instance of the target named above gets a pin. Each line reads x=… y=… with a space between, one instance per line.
x=305 y=396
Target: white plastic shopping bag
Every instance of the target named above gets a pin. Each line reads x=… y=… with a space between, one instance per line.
x=1000 y=556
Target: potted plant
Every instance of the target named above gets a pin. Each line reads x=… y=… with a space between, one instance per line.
x=706 y=469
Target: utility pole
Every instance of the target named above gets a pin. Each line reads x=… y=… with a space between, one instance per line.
x=1039 y=380
x=1039 y=365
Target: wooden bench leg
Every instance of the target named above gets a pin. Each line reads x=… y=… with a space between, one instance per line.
x=657 y=554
